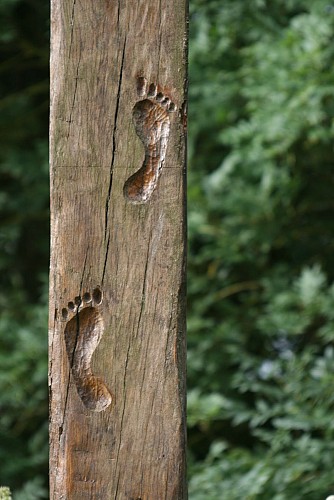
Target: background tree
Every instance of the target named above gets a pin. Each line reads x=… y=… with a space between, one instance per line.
x=261 y=245
x=260 y=255
x=24 y=246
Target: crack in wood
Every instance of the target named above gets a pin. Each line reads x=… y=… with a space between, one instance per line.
x=74 y=97
x=118 y=98
x=105 y=259
x=72 y=25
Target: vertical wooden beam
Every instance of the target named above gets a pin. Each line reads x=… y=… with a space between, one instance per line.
x=117 y=272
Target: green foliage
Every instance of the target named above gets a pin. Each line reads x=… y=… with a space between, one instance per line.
x=32 y=490
x=23 y=389
x=261 y=273
x=5 y=493
x=24 y=247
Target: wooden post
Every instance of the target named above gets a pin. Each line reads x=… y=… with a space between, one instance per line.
x=117 y=276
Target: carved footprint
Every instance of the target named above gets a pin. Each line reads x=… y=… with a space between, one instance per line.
x=152 y=124
x=83 y=333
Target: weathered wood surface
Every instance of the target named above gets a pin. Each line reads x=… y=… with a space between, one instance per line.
x=117 y=290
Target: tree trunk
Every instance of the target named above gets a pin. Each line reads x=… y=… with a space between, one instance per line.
x=117 y=277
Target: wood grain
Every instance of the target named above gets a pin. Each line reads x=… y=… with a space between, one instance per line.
x=135 y=447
